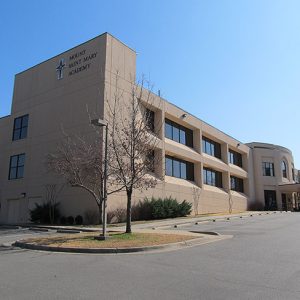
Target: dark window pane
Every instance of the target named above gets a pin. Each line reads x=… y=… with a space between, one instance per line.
x=20 y=172
x=13 y=173
x=17 y=134
x=25 y=121
x=190 y=171
x=189 y=138
x=23 y=133
x=168 y=131
x=183 y=170
x=182 y=137
x=176 y=134
x=14 y=161
x=176 y=168
x=18 y=123
x=169 y=171
x=21 y=161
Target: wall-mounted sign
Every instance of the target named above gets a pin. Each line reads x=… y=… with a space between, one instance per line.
x=60 y=68
x=78 y=62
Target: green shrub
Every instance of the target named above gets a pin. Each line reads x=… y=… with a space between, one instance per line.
x=70 y=220
x=78 y=220
x=42 y=212
x=158 y=208
x=63 y=220
x=169 y=208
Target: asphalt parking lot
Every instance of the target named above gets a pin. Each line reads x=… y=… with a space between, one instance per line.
x=261 y=261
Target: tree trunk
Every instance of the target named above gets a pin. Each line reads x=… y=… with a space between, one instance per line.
x=100 y=212
x=128 y=215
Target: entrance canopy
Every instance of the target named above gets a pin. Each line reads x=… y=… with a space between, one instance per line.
x=289 y=188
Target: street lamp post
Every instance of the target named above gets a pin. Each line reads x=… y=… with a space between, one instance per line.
x=102 y=123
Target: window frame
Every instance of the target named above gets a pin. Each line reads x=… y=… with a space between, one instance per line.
x=268 y=169
x=182 y=164
x=183 y=135
x=22 y=129
x=238 y=185
x=18 y=167
x=211 y=147
x=214 y=176
x=235 y=158
x=284 y=171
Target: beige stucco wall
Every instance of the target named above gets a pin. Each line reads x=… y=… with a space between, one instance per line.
x=263 y=152
x=61 y=105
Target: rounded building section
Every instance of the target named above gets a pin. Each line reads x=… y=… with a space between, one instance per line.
x=273 y=169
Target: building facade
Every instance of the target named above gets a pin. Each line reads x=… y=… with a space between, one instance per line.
x=198 y=162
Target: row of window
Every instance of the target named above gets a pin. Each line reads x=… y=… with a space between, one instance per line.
x=178 y=133
x=268 y=169
x=183 y=169
x=179 y=168
x=184 y=136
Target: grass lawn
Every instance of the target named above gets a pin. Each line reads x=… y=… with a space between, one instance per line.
x=116 y=240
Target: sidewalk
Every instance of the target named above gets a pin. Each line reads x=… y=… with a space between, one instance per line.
x=155 y=224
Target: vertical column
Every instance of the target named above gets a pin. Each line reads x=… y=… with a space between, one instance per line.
x=197 y=140
x=198 y=174
x=224 y=152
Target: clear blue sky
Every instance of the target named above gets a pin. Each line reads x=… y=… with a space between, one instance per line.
x=234 y=64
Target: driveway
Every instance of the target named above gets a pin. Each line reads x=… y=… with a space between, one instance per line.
x=261 y=261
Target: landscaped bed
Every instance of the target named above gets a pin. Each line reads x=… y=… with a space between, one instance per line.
x=115 y=240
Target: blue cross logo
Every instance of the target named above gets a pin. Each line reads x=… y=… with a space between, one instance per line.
x=59 y=69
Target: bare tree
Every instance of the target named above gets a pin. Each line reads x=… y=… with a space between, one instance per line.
x=52 y=191
x=196 y=197
x=132 y=141
x=79 y=161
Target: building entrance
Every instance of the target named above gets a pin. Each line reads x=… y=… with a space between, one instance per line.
x=270 y=200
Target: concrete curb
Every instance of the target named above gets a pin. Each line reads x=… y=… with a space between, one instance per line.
x=172 y=246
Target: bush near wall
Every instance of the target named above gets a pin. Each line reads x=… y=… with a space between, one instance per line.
x=41 y=213
x=152 y=209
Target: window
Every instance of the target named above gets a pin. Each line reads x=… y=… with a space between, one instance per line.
x=16 y=166
x=179 y=168
x=178 y=133
x=293 y=172
x=236 y=184
x=149 y=116
x=212 y=177
x=235 y=158
x=211 y=147
x=20 y=128
x=284 y=169
x=268 y=169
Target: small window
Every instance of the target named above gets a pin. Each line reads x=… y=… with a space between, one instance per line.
x=235 y=158
x=178 y=133
x=268 y=169
x=179 y=168
x=20 y=128
x=284 y=169
x=237 y=184
x=212 y=177
x=211 y=147
x=16 y=166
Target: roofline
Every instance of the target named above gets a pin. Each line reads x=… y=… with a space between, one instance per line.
x=5 y=116
x=228 y=135
x=272 y=146
x=102 y=34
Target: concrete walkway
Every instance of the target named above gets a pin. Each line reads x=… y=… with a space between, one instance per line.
x=154 y=225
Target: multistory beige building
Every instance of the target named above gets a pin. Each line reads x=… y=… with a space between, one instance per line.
x=198 y=162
